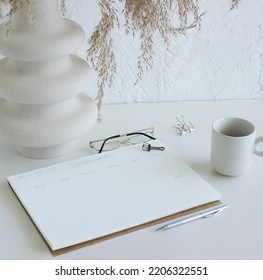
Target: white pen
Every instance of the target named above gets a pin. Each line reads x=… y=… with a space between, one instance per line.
x=205 y=214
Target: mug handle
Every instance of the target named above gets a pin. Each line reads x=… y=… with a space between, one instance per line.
x=256 y=150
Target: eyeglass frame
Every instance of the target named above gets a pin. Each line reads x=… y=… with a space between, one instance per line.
x=139 y=132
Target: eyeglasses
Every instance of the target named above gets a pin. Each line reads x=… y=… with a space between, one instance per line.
x=114 y=142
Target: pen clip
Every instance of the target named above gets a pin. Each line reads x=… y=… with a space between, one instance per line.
x=214 y=213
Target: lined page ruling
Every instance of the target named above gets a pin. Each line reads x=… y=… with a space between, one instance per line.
x=95 y=196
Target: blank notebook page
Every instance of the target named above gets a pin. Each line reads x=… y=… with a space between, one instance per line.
x=97 y=195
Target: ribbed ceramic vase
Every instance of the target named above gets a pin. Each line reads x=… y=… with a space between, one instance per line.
x=42 y=105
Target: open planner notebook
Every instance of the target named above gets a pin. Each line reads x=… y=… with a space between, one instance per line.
x=80 y=202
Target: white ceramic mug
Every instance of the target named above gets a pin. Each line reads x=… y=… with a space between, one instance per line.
x=232 y=145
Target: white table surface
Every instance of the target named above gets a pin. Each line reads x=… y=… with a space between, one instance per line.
x=236 y=234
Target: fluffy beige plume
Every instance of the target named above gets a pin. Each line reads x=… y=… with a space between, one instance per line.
x=143 y=18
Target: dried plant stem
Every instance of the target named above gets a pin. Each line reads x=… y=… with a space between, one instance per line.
x=234 y=3
x=100 y=51
x=143 y=18
x=150 y=17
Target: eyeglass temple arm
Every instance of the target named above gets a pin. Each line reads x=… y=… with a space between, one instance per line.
x=141 y=133
x=109 y=138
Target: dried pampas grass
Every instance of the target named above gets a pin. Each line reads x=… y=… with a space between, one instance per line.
x=143 y=18
x=9 y=7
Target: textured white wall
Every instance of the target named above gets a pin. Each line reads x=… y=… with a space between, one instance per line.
x=223 y=60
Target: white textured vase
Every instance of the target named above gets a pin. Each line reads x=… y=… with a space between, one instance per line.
x=42 y=107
